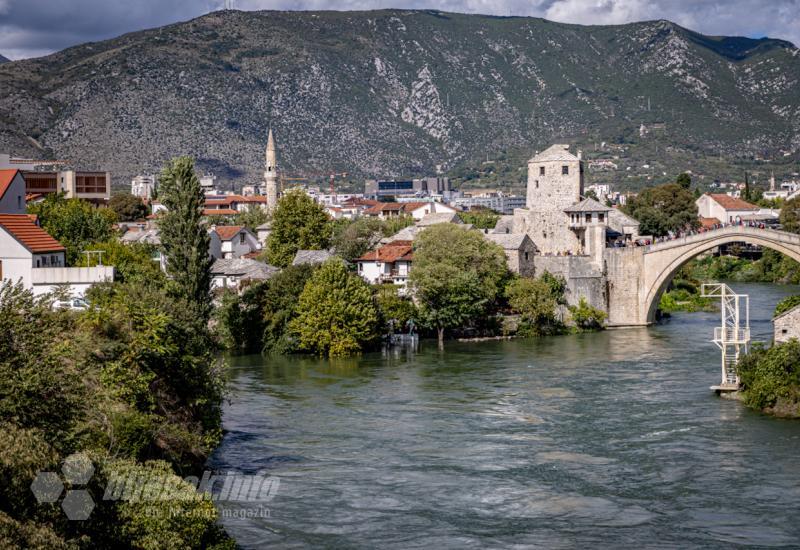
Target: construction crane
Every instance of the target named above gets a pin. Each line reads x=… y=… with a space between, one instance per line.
x=332 y=177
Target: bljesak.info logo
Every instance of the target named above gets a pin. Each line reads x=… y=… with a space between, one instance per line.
x=70 y=486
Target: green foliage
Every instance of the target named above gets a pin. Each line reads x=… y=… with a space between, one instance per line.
x=663 y=209
x=395 y=310
x=457 y=276
x=298 y=223
x=786 y=304
x=127 y=207
x=134 y=262
x=586 y=317
x=251 y=217
x=240 y=323
x=279 y=307
x=481 y=218
x=536 y=302
x=772 y=376
x=355 y=239
x=336 y=314
x=183 y=520
x=684 y=180
x=790 y=215
x=74 y=223
x=184 y=239
x=395 y=224
x=684 y=295
x=772 y=267
x=590 y=194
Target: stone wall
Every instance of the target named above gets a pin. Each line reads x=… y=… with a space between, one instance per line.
x=787 y=325
x=548 y=230
x=582 y=275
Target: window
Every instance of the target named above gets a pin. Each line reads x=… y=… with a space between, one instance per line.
x=601 y=217
x=19 y=202
x=360 y=267
x=537 y=184
x=541 y=170
x=526 y=256
x=241 y=238
x=565 y=170
x=784 y=331
x=589 y=217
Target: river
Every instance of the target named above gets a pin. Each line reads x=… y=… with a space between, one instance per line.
x=605 y=439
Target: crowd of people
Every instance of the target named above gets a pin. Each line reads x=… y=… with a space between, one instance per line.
x=675 y=235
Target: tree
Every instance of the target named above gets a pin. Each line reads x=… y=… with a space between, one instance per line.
x=586 y=317
x=133 y=262
x=662 y=209
x=457 y=276
x=298 y=223
x=358 y=237
x=590 y=194
x=279 y=307
x=184 y=239
x=684 y=180
x=786 y=304
x=335 y=313
x=252 y=217
x=127 y=207
x=790 y=215
x=74 y=223
x=536 y=302
x=396 y=311
x=481 y=218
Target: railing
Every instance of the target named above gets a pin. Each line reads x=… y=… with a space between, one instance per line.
x=731 y=336
x=71 y=275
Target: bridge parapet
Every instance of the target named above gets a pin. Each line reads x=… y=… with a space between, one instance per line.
x=733 y=230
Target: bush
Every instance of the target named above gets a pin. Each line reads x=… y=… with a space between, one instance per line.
x=768 y=375
x=586 y=317
x=536 y=303
x=395 y=311
x=786 y=304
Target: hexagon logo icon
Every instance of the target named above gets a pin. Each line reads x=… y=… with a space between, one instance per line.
x=47 y=487
x=77 y=469
x=78 y=505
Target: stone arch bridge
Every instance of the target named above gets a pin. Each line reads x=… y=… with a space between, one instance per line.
x=637 y=276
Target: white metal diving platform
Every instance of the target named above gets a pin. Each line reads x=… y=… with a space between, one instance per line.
x=733 y=337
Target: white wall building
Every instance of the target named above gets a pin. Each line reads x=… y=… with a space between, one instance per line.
x=725 y=208
x=30 y=255
x=144 y=186
x=232 y=241
x=12 y=192
x=391 y=263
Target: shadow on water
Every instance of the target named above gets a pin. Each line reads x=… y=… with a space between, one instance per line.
x=593 y=439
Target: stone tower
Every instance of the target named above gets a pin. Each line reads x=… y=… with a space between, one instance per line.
x=271 y=173
x=555 y=183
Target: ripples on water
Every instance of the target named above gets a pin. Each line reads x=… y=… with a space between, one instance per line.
x=604 y=439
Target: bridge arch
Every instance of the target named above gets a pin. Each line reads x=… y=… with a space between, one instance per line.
x=681 y=253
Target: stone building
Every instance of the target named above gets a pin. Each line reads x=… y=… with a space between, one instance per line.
x=271 y=173
x=519 y=249
x=787 y=325
x=555 y=183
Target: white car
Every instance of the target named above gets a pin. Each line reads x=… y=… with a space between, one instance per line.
x=76 y=304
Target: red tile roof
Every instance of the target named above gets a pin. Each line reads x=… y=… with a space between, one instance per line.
x=389 y=253
x=731 y=203
x=708 y=223
x=230 y=199
x=29 y=235
x=6 y=177
x=227 y=232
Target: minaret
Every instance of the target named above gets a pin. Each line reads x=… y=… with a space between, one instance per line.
x=271 y=173
x=772 y=182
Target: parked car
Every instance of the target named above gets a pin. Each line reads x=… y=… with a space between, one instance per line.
x=76 y=304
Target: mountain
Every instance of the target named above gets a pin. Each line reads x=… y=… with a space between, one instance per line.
x=394 y=92
x=4 y=59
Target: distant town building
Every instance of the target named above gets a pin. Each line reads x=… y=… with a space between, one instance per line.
x=43 y=177
x=725 y=208
x=12 y=192
x=498 y=201
x=417 y=210
x=390 y=263
x=419 y=187
x=144 y=186
x=233 y=272
x=787 y=325
x=232 y=241
x=28 y=254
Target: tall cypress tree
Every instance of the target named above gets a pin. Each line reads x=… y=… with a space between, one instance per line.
x=184 y=239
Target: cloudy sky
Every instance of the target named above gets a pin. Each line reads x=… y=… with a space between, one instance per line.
x=30 y=28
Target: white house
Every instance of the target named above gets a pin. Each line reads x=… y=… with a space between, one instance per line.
x=30 y=255
x=723 y=207
x=12 y=192
x=232 y=241
x=419 y=210
x=391 y=263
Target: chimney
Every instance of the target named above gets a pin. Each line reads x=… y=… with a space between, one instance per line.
x=580 y=154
